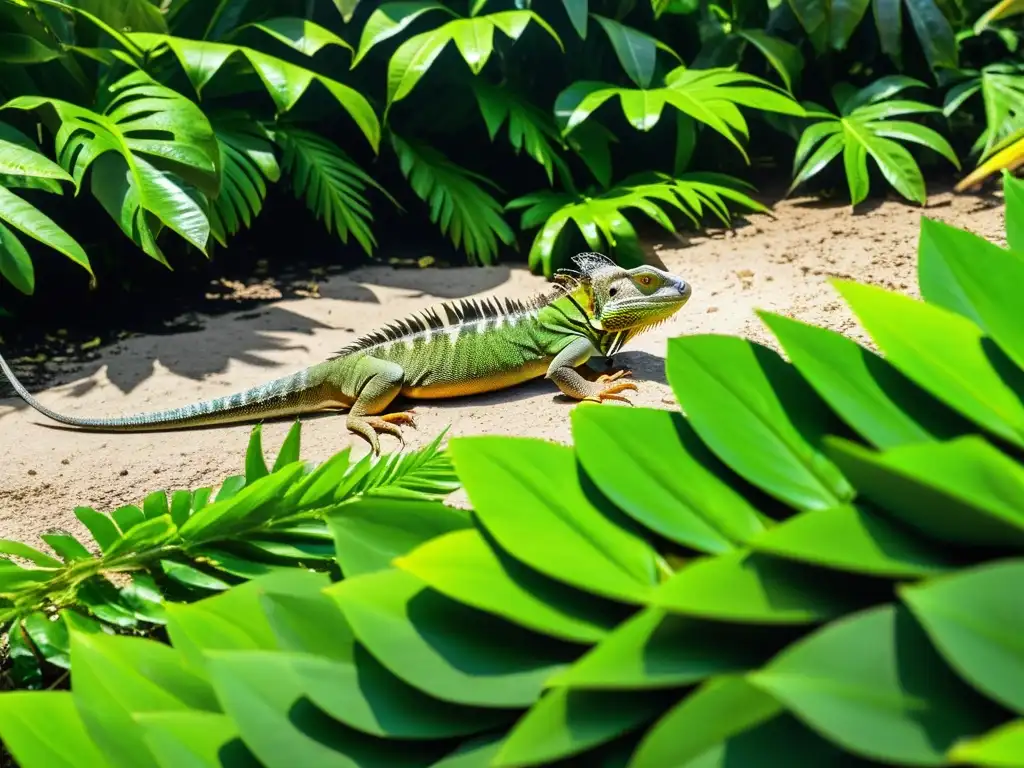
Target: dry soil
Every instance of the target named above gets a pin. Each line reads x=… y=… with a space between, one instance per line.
x=780 y=264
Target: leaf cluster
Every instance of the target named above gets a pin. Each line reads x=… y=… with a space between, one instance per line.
x=822 y=558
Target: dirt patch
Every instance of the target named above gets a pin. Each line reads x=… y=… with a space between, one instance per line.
x=779 y=264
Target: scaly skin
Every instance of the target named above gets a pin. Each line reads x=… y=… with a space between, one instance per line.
x=452 y=351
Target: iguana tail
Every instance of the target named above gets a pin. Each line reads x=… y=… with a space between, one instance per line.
x=285 y=396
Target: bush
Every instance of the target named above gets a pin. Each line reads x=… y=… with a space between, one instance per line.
x=822 y=558
x=585 y=114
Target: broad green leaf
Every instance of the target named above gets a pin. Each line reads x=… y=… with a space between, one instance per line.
x=21 y=715
x=822 y=156
x=896 y=164
x=291 y=448
x=1013 y=194
x=195 y=739
x=577 y=11
x=34 y=223
x=529 y=495
x=752 y=588
x=873 y=684
x=475 y=40
x=642 y=108
x=651 y=463
x=943 y=353
x=114 y=677
x=999 y=748
x=784 y=57
x=916 y=134
x=463 y=567
x=255 y=464
x=66 y=546
x=18 y=549
x=963 y=492
x=934 y=33
x=410 y=62
x=391 y=19
x=100 y=526
x=263 y=707
x=566 y=722
x=721 y=708
x=636 y=51
x=974 y=277
x=829 y=24
x=15 y=263
x=656 y=649
x=300 y=34
x=19 y=160
x=445 y=649
x=756 y=413
x=370 y=532
x=975 y=619
x=868 y=393
x=855 y=163
x=50 y=637
x=853 y=538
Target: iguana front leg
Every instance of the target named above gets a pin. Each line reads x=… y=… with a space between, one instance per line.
x=380 y=382
x=563 y=372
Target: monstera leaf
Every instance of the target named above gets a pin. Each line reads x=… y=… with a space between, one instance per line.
x=864 y=128
x=139 y=180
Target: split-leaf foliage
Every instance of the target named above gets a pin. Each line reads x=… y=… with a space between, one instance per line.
x=821 y=563
x=180 y=117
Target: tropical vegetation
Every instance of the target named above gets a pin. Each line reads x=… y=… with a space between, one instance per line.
x=822 y=557
x=495 y=125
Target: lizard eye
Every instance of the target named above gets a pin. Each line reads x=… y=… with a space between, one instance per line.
x=646 y=280
x=612 y=291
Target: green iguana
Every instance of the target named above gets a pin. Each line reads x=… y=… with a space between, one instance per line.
x=473 y=347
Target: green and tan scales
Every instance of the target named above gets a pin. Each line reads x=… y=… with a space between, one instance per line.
x=457 y=349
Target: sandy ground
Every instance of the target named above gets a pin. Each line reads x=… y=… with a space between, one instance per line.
x=780 y=265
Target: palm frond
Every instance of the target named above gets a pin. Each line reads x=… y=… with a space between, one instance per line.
x=459 y=204
x=331 y=183
x=247 y=163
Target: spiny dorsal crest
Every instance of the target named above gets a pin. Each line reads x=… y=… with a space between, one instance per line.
x=455 y=313
x=591 y=264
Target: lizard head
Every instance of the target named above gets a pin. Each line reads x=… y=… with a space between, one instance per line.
x=618 y=299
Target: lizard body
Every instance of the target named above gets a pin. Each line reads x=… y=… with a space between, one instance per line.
x=457 y=349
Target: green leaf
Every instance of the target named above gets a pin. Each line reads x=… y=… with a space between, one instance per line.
x=566 y=722
x=15 y=263
x=896 y=164
x=934 y=33
x=577 y=12
x=868 y=393
x=263 y=708
x=22 y=712
x=651 y=463
x=636 y=51
x=752 y=588
x=530 y=497
x=34 y=223
x=459 y=204
x=16 y=48
x=722 y=708
x=300 y=34
x=425 y=639
x=889 y=25
x=853 y=538
x=474 y=38
x=291 y=447
x=967 y=274
x=963 y=492
x=193 y=738
x=332 y=184
x=974 y=620
x=656 y=649
x=1013 y=194
x=759 y=417
x=391 y=19
x=370 y=532
x=1000 y=748
x=50 y=637
x=829 y=24
x=68 y=547
x=255 y=465
x=873 y=684
x=17 y=159
x=16 y=548
x=784 y=57
x=943 y=353
x=248 y=162
x=462 y=566
x=100 y=526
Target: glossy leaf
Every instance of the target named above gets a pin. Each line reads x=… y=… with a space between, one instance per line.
x=975 y=619
x=867 y=392
x=759 y=417
x=37 y=225
x=22 y=712
x=853 y=538
x=943 y=353
x=369 y=533
x=655 y=468
x=753 y=588
x=999 y=748
x=462 y=566
x=657 y=649
x=636 y=51
x=392 y=19
x=531 y=497
x=419 y=636
x=873 y=684
x=193 y=738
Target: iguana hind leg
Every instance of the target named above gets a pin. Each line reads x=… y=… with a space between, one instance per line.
x=382 y=381
x=563 y=372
